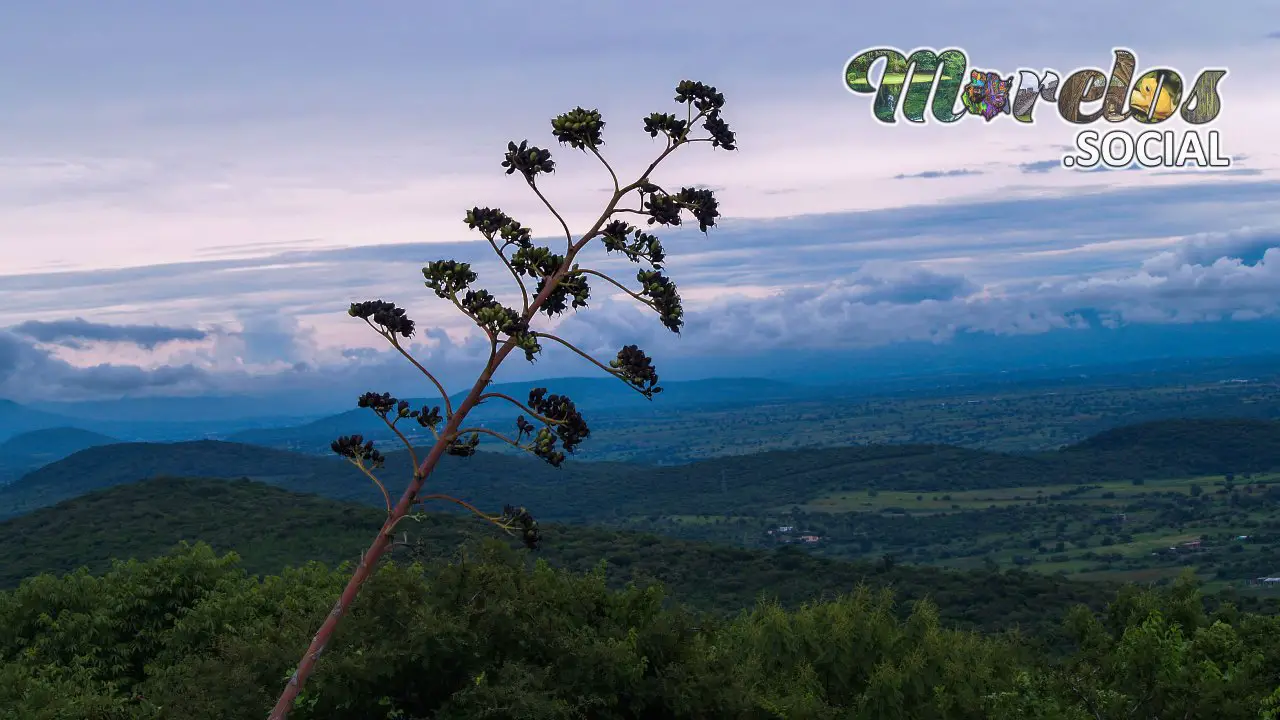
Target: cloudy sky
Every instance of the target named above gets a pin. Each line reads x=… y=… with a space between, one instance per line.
x=191 y=193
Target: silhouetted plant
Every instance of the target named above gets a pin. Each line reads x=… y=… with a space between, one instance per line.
x=551 y=425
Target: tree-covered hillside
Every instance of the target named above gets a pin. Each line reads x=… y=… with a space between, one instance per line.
x=730 y=485
x=189 y=636
x=271 y=529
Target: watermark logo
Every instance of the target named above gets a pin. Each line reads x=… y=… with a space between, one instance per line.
x=935 y=81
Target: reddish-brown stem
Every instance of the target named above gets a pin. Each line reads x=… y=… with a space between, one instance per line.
x=371 y=556
x=382 y=542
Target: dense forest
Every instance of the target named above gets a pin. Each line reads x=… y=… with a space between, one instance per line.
x=190 y=635
x=271 y=529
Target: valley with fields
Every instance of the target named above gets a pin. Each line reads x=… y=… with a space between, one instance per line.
x=1137 y=503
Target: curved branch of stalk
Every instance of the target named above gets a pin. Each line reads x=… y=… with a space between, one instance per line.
x=568 y=234
x=448 y=406
x=495 y=519
x=453 y=297
x=434 y=433
x=494 y=433
x=524 y=293
x=493 y=337
x=618 y=285
x=522 y=406
x=608 y=213
x=368 y=473
x=630 y=210
x=671 y=147
x=612 y=174
x=593 y=361
x=413 y=455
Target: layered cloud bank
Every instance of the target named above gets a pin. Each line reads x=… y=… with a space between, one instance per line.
x=194 y=215
x=1086 y=262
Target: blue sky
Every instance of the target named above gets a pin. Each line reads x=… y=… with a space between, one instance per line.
x=191 y=193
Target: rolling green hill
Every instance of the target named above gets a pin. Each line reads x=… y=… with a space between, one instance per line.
x=1192 y=446
x=736 y=484
x=109 y=465
x=271 y=529
x=1116 y=507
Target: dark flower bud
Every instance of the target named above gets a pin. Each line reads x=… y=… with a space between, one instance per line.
x=529 y=161
x=356 y=449
x=637 y=369
x=381 y=404
x=385 y=315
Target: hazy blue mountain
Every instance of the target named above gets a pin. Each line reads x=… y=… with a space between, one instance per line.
x=27 y=451
x=16 y=418
x=592 y=396
x=202 y=408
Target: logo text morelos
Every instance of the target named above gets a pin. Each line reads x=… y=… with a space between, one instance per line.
x=931 y=81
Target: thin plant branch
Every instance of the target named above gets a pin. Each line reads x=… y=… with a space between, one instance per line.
x=473 y=318
x=522 y=406
x=413 y=455
x=612 y=174
x=448 y=406
x=591 y=360
x=524 y=292
x=568 y=234
x=495 y=519
x=618 y=285
x=386 y=497
x=493 y=433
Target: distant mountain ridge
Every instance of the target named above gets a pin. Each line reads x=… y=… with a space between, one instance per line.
x=55 y=440
x=581 y=490
x=27 y=451
x=594 y=394
x=595 y=397
x=16 y=418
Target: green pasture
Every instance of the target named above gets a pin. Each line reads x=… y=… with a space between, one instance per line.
x=704 y=519
x=1120 y=493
